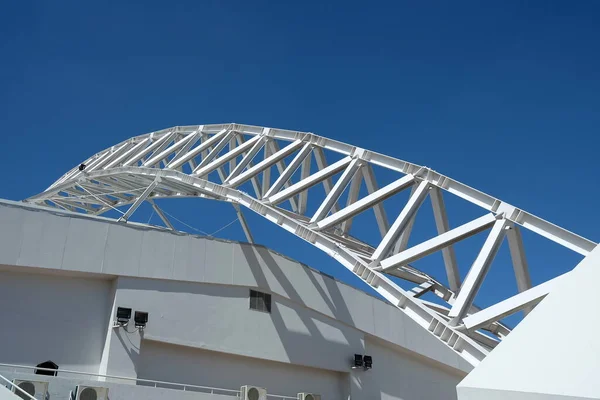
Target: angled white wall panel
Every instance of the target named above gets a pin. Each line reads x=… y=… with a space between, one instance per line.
x=546 y=358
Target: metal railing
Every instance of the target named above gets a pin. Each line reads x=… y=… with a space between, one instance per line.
x=145 y=382
x=148 y=382
x=17 y=388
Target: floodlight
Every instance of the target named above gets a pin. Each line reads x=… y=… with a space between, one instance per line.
x=123 y=315
x=368 y=362
x=141 y=319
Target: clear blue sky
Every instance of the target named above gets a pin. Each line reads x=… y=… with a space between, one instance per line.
x=504 y=97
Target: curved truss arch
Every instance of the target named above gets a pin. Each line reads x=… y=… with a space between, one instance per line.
x=270 y=172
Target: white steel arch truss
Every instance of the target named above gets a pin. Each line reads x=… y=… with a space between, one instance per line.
x=271 y=171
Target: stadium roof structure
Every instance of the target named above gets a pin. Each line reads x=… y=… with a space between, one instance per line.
x=271 y=171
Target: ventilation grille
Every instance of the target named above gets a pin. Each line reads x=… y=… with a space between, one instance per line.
x=91 y=393
x=37 y=389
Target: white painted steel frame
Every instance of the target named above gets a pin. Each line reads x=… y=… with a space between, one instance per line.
x=154 y=166
x=511 y=305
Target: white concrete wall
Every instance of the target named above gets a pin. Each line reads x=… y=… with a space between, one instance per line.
x=196 y=293
x=397 y=375
x=53 y=317
x=166 y=362
x=205 y=334
x=42 y=239
x=554 y=353
x=217 y=317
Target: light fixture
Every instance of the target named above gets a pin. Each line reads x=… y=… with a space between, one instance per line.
x=123 y=316
x=141 y=319
x=368 y=362
x=82 y=166
x=358 y=361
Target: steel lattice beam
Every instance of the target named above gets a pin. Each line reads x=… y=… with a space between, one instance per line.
x=151 y=166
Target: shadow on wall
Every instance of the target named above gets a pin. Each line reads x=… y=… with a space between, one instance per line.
x=337 y=306
x=401 y=375
x=192 y=314
x=289 y=333
x=132 y=350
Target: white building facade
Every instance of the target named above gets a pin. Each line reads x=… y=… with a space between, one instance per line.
x=63 y=276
